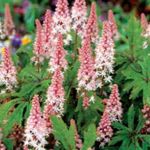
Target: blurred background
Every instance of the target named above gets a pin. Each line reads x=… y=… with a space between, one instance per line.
x=25 y=11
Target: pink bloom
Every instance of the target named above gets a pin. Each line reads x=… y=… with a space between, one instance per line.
x=8 y=22
x=38 y=44
x=48 y=112
x=104 y=130
x=61 y=18
x=47 y=29
x=79 y=16
x=104 y=58
x=86 y=102
x=113 y=24
x=2 y=146
x=35 y=130
x=7 y=71
x=113 y=105
x=55 y=94
x=144 y=22
x=92 y=26
x=146 y=115
x=58 y=56
x=86 y=72
x=77 y=136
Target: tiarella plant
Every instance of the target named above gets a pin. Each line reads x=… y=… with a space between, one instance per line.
x=72 y=86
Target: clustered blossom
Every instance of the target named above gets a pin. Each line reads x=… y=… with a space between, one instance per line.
x=8 y=22
x=146 y=115
x=104 y=130
x=61 y=18
x=112 y=112
x=145 y=26
x=79 y=16
x=58 y=56
x=113 y=105
x=35 y=131
x=7 y=71
x=47 y=35
x=113 y=25
x=77 y=137
x=38 y=44
x=144 y=22
x=86 y=102
x=104 y=58
x=91 y=29
x=86 y=72
x=55 y=94
x=145 y=30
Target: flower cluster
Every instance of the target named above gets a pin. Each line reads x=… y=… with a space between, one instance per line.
x=55 y=99
x=58 y=56
x=8 y=22
x=35 y=131
x=86 y=72
x=7 y=71
x=79 y=16
x=104 y=130
x=104 y=58
x=113 y=25
x=144 y=22
x=47 y=35
x=77 y=137
x=113 y=105
x=146 y=115
x=145 y=30
x=112 y=112
x=91 y=30
x=38 y=44
x=61 y=18
x=55 y=93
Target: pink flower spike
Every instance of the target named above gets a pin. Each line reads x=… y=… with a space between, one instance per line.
x=56 y=93
x=144 y=22
x=79 y=16
x=8 y=22
x=8 y=73
x=146 y=115
x=38 y=44
x=77 y=136
x=113 y=24
x=86 y=72
x=92 y=26
x=61 y=17
x=114 y=106
x=58 y=56
x=35 y=131
x=47 y=29
x=86 y=102
x=104 y=58
x=104 y=130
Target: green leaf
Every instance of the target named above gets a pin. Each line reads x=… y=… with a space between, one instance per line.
x=120 y=126
x=117 y=139
x=141 y=121
x=15 y=117
x=5 y=108
x=62 y=134
x=89 y=137
x=131 y=114
x=146 y=138
x=8 y=143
